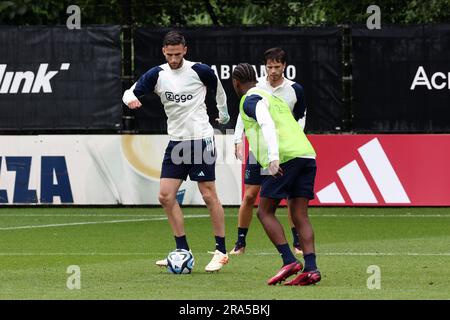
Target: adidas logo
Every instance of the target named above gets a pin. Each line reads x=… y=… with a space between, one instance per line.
x=201 y=174
x=356 y=184
x=11 y=81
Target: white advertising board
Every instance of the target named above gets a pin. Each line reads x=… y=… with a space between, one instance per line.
x=102 y=169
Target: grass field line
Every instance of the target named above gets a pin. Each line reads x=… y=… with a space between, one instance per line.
x=370 y=254
x=187 y=216
x=94 y=222
x=6 y=254
x=76 y=215
x=314 y=215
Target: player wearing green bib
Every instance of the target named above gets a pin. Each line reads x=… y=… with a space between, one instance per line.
x=284 y=151
x=291 y=140
x=293 y=94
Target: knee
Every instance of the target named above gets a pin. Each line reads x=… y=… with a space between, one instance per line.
x=209 y=197
x=166 y=198
x=250 y=198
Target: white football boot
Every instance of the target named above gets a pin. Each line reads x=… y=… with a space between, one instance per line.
x=162 y=263
x=237 y=251
x=217 y=262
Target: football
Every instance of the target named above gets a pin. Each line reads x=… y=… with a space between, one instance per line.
x=180 y=261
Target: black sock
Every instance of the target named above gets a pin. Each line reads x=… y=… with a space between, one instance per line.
x=310 y=262
x=286 y=254
x=295 y=237
x=220 y=244
x=242 y=233
x=182 y=242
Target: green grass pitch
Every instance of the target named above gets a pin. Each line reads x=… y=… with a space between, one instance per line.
x=115 y=249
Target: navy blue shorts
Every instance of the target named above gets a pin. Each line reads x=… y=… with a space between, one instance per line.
x=296 y=182
x=196 y=158
x=253 y=171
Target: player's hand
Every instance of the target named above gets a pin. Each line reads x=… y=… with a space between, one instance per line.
x=223 y=118
x=275 y=169
x=134 y=104
x=239 y=150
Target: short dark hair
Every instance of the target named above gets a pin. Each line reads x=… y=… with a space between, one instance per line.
x=244 y=72
x=173 y=38
x=275 y=54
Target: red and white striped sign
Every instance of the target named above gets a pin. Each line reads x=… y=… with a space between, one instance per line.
x=382 y=170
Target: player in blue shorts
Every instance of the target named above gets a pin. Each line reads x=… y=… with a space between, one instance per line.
x=292 y=93
x=181 y=86
x=283 y=150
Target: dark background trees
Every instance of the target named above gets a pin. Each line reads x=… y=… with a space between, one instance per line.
x=222 y=12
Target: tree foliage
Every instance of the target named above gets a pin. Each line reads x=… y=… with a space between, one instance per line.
x=223 y=12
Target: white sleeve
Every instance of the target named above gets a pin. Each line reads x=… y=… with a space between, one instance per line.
x=268 y=129
x=238 y=130
x=221 y=98
x=128 y=95
x=302 y=122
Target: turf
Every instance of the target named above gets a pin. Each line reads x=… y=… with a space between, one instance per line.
x=411 y=246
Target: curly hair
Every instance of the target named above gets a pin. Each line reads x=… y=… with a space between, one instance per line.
x=244 y=72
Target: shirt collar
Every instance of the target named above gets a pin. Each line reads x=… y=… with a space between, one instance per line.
x=275 y=88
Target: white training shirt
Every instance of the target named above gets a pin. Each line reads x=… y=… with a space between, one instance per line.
x=289 y=91
x=182 y=92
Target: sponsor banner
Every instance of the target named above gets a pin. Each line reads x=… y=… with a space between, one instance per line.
x=353 y=170
x=56 y=78
x=313 y=60
x=96 y=169
x=401 y=79
x=382 y=170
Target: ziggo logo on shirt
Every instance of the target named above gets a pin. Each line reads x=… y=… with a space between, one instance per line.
x=178 y=98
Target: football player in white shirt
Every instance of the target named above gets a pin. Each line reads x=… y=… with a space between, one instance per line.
x=181 y=86
x=292 y=93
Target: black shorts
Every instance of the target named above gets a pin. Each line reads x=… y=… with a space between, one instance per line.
x=196 y=158
x=253 y=169
x=296 y=182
